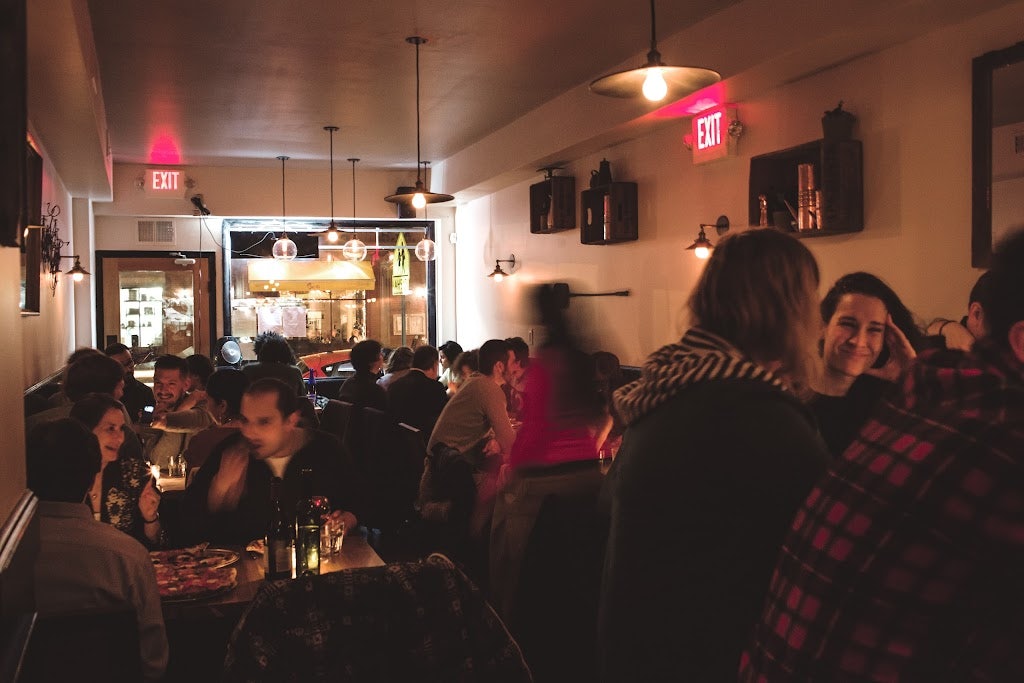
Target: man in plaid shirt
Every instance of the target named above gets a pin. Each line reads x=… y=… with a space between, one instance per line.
x=906 y=562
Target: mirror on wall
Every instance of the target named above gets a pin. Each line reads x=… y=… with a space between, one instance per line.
x=998 y=150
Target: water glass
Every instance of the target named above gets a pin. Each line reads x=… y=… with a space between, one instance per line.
x=332 y=535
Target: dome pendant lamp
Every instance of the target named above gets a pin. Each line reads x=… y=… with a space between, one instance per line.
x=284 y=249
x=354 y=249
x=420 y=197
x=332 y=230
x=655 y=80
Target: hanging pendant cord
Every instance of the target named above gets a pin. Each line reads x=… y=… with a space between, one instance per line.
x=284 y=213
x=331 y=131
x=654 y=43
x=418 y=179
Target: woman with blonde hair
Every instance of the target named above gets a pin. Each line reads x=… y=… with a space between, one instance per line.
x=719 y=453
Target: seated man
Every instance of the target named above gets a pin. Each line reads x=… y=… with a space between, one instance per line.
x=173 y=425
x=417 y=398
x=136 y=394
x=229 y=500
x=361 y=389
x=89 y=373
x=85 y=564
x=962 y=335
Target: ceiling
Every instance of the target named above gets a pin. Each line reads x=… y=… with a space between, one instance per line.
x=238 y=82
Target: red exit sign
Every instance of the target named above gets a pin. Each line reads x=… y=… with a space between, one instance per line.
x=709 y=134
x=164 y=183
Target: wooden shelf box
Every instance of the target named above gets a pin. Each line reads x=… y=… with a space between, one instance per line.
x=609 y=214
x=553 y=205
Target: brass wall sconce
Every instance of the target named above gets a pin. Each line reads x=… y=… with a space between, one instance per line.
x=76 y=272
x=702 y=246
x=498 y=274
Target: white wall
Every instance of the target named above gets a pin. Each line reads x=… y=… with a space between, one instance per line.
x=914 y=108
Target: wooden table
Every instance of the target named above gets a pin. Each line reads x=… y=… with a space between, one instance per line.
x=198 y=631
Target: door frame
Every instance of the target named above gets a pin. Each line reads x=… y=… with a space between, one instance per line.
x=211 y=282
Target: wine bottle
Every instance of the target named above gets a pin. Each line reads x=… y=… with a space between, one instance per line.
x=280 y=540
x=309 y=513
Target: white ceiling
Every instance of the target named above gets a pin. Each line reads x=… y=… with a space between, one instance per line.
x=238 y=82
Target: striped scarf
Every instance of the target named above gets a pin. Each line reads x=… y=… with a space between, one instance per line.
x=699 y=356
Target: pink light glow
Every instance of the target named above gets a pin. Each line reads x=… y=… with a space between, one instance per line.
x=164 y=150
x=705 y=98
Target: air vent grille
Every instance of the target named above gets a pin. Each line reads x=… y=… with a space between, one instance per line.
x=156 y=231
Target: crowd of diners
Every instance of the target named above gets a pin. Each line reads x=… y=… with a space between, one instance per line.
x=807 y=488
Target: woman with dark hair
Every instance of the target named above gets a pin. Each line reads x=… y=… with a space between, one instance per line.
x=447 y=353
x=718 y=455
x=224 y=392
x=274 y=358
x=123 y=493
x=869 y=339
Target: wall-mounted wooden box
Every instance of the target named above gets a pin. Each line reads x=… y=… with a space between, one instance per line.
x=609 y=214
x=838 y=174
x=553 y=205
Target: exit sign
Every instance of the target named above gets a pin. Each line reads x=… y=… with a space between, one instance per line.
x=160 y=182
x=709 y=134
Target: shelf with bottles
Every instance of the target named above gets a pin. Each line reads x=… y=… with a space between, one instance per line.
x=609 y=214
x=553 y=204
x=837 y=173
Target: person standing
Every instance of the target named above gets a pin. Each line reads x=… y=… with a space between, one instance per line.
x=718 y=454
x=905 y=562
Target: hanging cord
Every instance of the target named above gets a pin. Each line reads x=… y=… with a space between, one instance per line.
x=418 y=41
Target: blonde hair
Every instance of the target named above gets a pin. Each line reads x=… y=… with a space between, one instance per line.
x=759 y=291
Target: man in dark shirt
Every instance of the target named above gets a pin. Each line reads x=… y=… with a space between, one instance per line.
x=136 y=394
x=418 y=398
x=229 y=501
x=361 y=389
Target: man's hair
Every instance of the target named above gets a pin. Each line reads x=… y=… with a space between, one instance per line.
x=981 y=291
x=116 y=349
x=1005 y=304
x=451 y=350
x=81 y=353
x=228 y=384
x=467 y=359
x=364 y=354
x=520 y=348
x=271 y=347
x=871 y=285
x=400 y=359
x=425 y=357
x=287 y=400
x=492 y=352
x=92 y=373
x=200 y=366
x=62 y=459
x=759 y=292
x=91 y=408
x=169 y=362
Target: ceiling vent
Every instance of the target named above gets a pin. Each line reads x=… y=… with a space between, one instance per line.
x=160 y=232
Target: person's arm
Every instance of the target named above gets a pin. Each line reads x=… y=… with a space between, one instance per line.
x=145 y=596
x=191 y=420
x=228 y=482
x=497 y=416
x=955 y=335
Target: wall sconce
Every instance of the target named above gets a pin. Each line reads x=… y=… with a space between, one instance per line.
x=498 y=274
x=77 y=272
x=702 y=246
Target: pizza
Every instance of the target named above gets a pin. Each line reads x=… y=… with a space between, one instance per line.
x=194 y=572
x=193 y=583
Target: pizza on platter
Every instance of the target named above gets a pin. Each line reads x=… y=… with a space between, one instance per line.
x=193 y=573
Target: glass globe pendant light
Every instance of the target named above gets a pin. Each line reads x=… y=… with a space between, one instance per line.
x=354 y=249
x=425 y=247
x=284 y=249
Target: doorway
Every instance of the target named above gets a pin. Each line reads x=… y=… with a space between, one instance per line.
x=155 y=303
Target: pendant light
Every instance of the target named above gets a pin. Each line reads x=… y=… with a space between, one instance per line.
x=419 y=197
x=354 y=249
x=655 y=80
x=332 y=234
x=425 y=248
x=284 y=249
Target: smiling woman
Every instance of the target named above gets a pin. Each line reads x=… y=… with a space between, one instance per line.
x=869 y=339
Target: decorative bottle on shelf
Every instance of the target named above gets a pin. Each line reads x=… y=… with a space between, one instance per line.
x=309 y=514
x=280 y=541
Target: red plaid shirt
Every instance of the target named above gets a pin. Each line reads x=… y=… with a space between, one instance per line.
x=906 y=562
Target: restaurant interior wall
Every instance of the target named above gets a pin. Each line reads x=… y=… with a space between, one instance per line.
x=914 y=117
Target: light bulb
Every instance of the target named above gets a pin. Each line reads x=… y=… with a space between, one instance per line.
x=498 y=277
x=418 y=200
x=77 y=277
x=655 y=88
x=354 y=250
x=332 y=235
x=425 y=249
x=284 y=249
x=702 y=252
